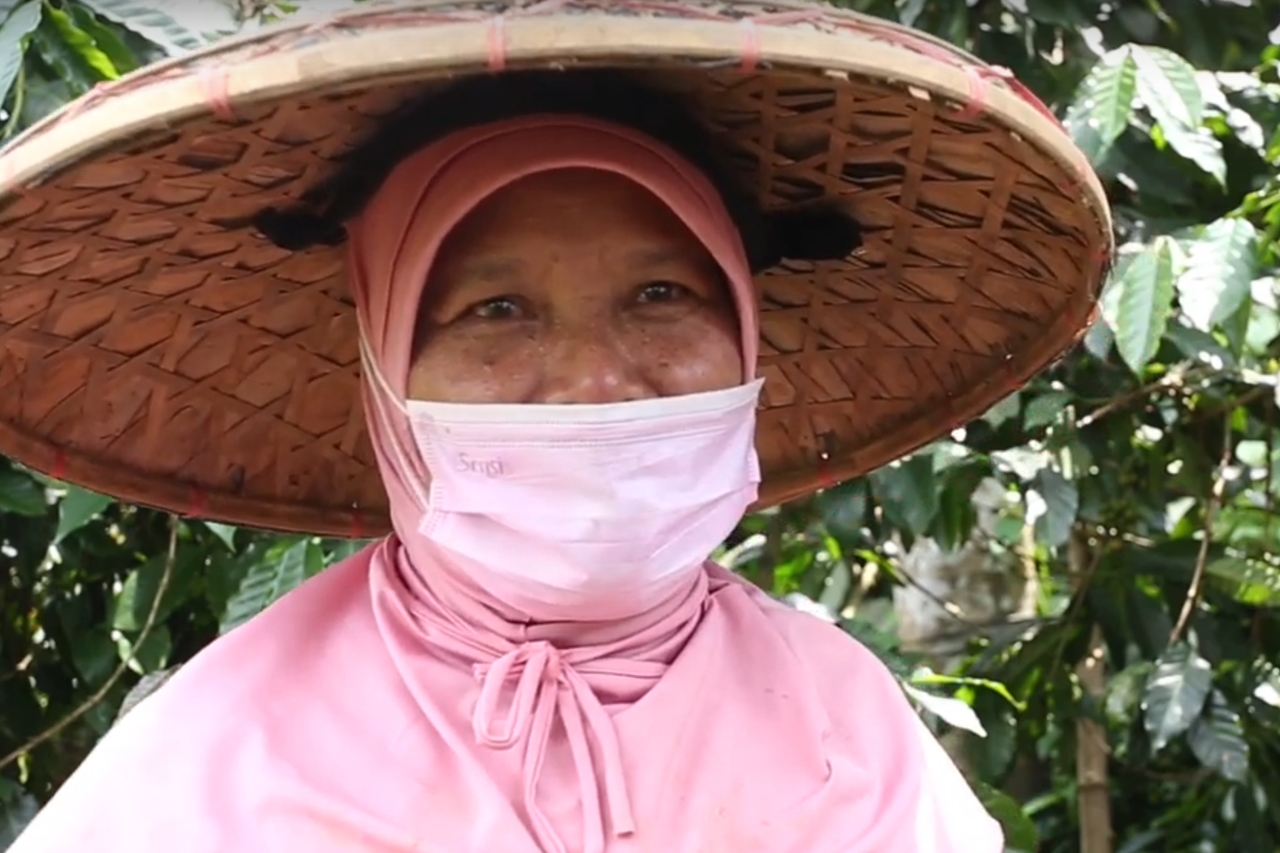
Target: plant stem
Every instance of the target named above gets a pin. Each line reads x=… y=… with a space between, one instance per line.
x=101 y=693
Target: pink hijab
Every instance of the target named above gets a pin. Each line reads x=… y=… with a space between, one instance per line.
x=394 y=704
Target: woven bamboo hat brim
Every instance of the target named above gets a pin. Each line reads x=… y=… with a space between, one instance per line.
x=154 y=346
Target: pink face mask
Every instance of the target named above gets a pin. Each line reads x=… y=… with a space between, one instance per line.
x=607 y=506
x=558 y=510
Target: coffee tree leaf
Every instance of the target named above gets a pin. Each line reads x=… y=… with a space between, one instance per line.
x=77 y=508
x=13 y=34
x=148 y=21
x=1218 y=741
x=1175 y=694
x=270 y=579
x=1103 y=103
x=1221 y=265
x=1167 y=82
x=1137 y=303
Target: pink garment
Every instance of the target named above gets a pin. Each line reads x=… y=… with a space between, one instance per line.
x=394 y=703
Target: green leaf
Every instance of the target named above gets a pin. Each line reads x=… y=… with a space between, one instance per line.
x=1221 y=265
x=225 y=533
x=908 y=492
x=1167 y=82
x=83 y=44
x=151 y=654
x=844 y=508
x=106 y=39
x=1124 y=692
x=270 y=579
x=953 y=712
x=1217 y=739
x=1044 y=410
x=139 y=591
x=1175 y=694
x=149 y=22
x=1137 y=302
x=17 y=809
x=93 y=653
x=1061 y=502
x=1019 y=830
x=13 y=33
x=77 y=509
x=63 y=60
x=21 y=495
x=1251 y=582
x=1103 y=104
x=1199 y=146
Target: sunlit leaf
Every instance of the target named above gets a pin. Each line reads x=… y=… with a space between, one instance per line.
x=954 y=712
x=77 y=508
x=270 y=579
x=1167 y=82
x=1175 y=694
x=1061 y=502
x=13 y=33
x=1137 y=302
x=150 y=22
x=1251 y=582
x=1103 y=103
x=1124 y=692
x=82 y=43
x=1217 y=739
x=1221 y=265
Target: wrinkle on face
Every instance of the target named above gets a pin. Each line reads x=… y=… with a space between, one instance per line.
x=573 y=286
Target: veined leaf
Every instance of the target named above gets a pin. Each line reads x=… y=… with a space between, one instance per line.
x=83 y=44
x=1251 y=582
x=954 y=712
x=1221 y=265
x=1199 y=146
x=1217 y=739
x=1167 y=83
x=1175 y=694
x=1061 y=501
x=13 y=33
x=1020 y=832
x=1137 y=302
x=20 y=494
x=149 y=22
x=269 y=580
x=76 y=510
x=107 y=39
x=1103 y=103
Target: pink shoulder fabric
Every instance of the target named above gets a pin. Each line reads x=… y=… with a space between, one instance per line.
x=770 y=732
x=395 y=703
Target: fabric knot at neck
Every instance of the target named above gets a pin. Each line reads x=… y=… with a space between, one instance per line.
x=547 y=683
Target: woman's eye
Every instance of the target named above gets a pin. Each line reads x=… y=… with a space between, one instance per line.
x=663 y=291
x=501 y=308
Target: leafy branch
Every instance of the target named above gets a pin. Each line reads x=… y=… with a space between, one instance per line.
x=101 y=693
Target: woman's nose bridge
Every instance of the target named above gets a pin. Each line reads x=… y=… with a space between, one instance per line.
x=587 y=363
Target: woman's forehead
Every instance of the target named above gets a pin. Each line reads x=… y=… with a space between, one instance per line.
x=583 y=211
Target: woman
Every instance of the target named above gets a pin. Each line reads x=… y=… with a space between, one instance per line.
x=559 y=329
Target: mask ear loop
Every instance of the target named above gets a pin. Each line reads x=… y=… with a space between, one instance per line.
x=382 y=394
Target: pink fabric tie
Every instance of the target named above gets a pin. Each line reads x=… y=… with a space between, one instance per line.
x=547 y=682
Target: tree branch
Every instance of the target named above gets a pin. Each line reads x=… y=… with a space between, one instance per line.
x=101 y=693
x=1214 y=503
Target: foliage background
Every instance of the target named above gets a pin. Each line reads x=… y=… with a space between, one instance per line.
x=1080 y=590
